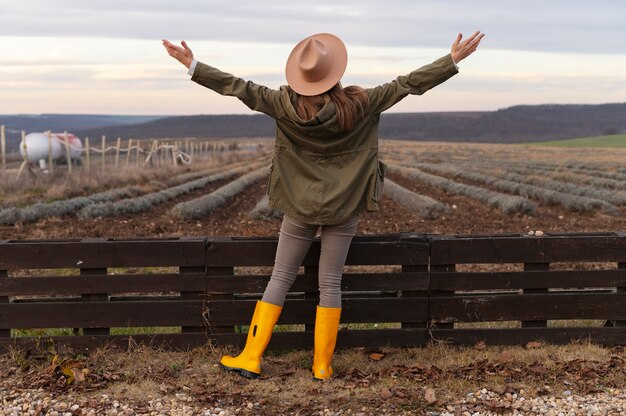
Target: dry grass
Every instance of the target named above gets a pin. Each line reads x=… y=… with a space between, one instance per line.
x=61 y=185
x=145 y=373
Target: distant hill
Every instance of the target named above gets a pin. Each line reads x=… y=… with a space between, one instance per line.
x=518 y=124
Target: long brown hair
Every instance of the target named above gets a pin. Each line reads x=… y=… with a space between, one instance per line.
x=350 y=104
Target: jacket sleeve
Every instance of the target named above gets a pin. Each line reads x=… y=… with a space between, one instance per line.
x=255 y=96
x=417 y=82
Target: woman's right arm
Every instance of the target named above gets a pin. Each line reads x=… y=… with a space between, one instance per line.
x=255 y=96
x=417 y=82
x=424 y=78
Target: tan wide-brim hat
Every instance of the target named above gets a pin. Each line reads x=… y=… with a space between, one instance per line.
x=316 y=64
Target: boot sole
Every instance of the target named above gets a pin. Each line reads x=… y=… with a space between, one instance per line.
x=242 y=372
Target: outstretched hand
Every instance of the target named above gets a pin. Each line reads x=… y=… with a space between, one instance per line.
x=183 y=55
x=461 y=50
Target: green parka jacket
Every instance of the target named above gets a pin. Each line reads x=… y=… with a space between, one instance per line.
x=321 y=174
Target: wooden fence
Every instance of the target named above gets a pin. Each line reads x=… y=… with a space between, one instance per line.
x=102 y=155
x=421 y=288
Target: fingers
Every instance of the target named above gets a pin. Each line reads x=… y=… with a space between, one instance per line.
x=185 y=45
x=456 y=42
x=475 y=38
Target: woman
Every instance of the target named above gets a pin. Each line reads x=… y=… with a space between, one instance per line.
x=325 y=171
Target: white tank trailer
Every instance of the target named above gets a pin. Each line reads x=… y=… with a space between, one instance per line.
x=37 y=148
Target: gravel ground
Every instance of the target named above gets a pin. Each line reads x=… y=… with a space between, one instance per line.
x=482 y=402
x=485 y=402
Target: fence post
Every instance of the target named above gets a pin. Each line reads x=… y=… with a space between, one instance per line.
x=67 y=153
x=94 y=297
x=3 y=146
x=25 y=162
x=622 y=289
x=151 y=156
x=87 y=152
x=535 y=266
x=174 y=149
x=4 y=333
x=435 y=293
x=103 y=152
x=117 y=152
x=130 y=148
x=191 y=296
x=311 y=271
x=50 y=161
x=138 y=153
x=219 y=271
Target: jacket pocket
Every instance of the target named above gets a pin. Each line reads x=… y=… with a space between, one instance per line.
x=380 y=180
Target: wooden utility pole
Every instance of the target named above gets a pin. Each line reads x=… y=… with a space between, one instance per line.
x=67 y=153
x=130 y=148
x=25 y=162
x=87 y=152
x=138 y=153
x=117 y=152
x=103 y=152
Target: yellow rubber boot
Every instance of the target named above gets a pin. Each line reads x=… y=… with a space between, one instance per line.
x=325 y=339
x=248 y=362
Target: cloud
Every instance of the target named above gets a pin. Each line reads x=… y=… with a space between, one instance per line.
x=78 y=56
x=532 y=25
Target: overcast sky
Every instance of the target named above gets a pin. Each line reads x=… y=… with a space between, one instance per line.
x=106 y=57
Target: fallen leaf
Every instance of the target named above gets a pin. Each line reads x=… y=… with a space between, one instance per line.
x=506 y=356
x=537 y=368
x=429 y=395
x=78 y=375
x=385 y=394
x=498 y=388
x=376 y=356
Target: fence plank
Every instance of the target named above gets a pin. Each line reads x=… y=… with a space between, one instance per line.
x=345 y=339
x=529 y=249
x=507 y=307
x=302 y=311
x=99 y=253
x=101 y=283
x=101 y=314
x=527 y=279
x=350 y=282
x=186 y=342
x=522 y=336
x=364 y=250
x=86 y=344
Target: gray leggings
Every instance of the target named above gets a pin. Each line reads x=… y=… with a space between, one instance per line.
x=293 y=243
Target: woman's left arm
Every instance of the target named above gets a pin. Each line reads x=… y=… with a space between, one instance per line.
x=255 y=96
